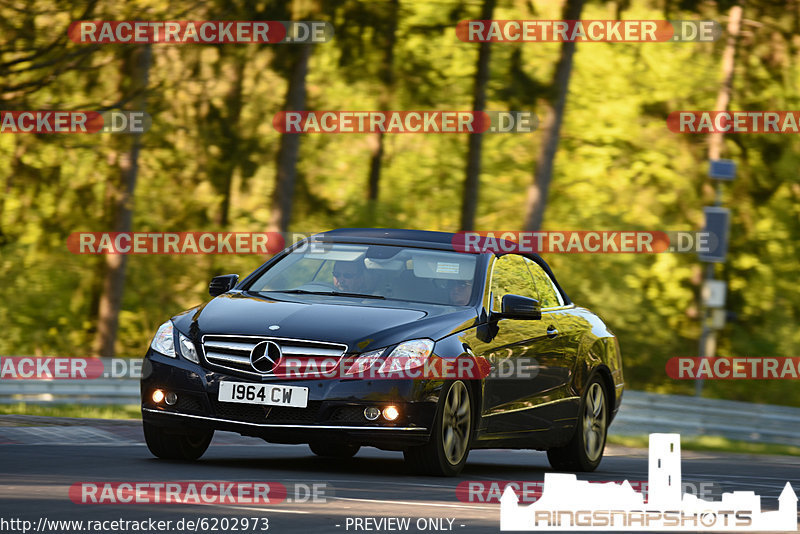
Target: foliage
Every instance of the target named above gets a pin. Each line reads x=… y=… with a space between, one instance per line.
x=208 y=163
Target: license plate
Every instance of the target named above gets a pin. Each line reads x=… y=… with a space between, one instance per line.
x=269 y=394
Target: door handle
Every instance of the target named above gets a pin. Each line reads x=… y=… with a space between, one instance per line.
x=551 y=331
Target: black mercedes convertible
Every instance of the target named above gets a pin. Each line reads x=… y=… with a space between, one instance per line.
x=339 y=342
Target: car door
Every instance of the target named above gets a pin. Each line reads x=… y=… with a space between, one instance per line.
x=555 y=371
x=519 y=352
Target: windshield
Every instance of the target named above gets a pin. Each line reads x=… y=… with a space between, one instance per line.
x=374 y=271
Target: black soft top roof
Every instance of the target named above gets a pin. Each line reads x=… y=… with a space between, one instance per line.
x=439 y=240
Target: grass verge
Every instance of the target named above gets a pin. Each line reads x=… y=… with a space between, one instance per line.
x=124 y=411
x=712 y=444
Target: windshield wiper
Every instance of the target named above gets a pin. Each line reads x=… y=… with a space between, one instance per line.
x=332 y=293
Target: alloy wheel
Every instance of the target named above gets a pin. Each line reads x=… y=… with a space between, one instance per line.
x=594 y=422
x=456 y=423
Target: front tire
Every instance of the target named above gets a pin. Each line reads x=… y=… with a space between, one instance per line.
x=446 y=452
x=585 y=450
x=187 y=446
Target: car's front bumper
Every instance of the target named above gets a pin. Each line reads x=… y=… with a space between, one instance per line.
x=335 y=408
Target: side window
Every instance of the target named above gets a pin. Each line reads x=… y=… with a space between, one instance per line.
x=548 y=295
x=510 y=275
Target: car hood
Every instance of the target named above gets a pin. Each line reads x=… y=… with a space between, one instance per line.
x=359 y=324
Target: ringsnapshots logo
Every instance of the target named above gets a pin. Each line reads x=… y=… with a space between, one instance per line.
x=569 y=504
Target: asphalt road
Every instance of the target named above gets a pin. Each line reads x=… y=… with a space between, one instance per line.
x=41 y=458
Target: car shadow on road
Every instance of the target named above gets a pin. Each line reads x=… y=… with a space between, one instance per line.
x=368 y=463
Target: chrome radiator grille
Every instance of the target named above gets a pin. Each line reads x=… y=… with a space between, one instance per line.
x=233 y=352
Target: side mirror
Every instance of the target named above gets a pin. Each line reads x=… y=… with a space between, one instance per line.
x=222 y=284
x=519 y=307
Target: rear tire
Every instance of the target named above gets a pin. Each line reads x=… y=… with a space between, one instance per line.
x=334 y=450
x=585 y=450
x=446 y=452
x=187 y=447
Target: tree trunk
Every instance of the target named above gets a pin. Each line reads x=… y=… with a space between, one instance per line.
x=540 y=187
x=137 y=69
x=286 y=163
x=724 y=95
x=470 y=195
x=375 y=162
x=387 y=80
x=233 y=104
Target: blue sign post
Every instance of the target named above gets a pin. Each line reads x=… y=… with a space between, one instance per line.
x=716 y=227
x=722 y=169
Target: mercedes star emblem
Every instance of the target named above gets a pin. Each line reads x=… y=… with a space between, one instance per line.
x=265 y=356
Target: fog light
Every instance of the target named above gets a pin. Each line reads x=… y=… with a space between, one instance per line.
x=171 y=398
x=158 y=396
x=390 y=413
x=371 y=413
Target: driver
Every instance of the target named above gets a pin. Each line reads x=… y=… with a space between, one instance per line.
x=460 y=292
x=350 y=277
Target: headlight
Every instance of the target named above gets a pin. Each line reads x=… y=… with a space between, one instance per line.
x=408 y=355
x=187 y=348
x=164 y=343
x=364 y=362
x=164 y=340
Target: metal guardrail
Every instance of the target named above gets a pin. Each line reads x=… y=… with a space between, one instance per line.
x=641 y=413
x=96 y=391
